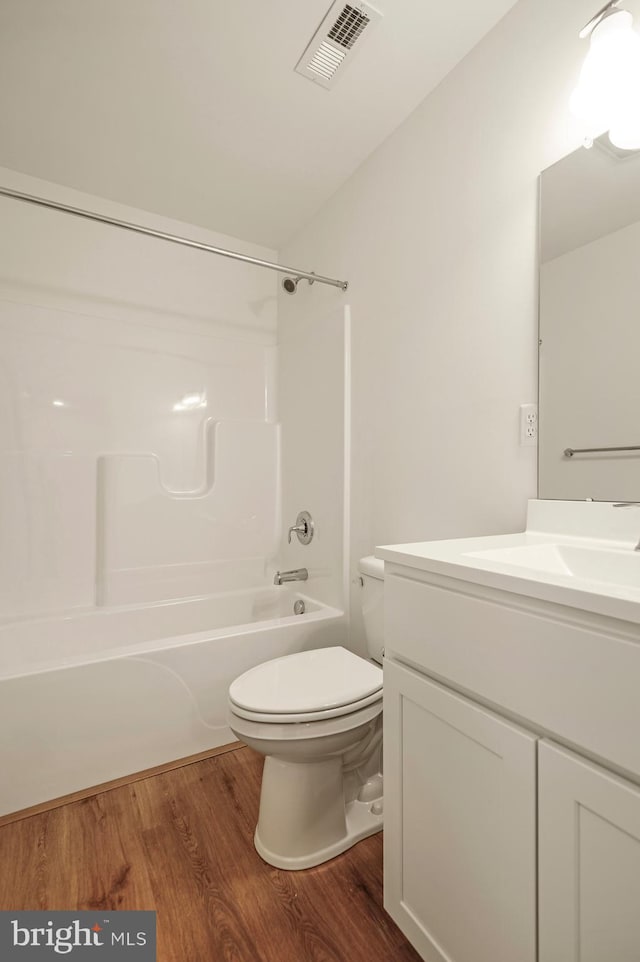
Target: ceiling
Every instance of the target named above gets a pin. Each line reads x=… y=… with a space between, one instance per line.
x=193 y=109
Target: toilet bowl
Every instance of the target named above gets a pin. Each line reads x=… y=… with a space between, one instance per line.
x=316 y=716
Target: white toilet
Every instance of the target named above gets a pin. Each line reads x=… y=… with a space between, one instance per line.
x=317 y=717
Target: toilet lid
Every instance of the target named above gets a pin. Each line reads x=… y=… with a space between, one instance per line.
x=309 y=681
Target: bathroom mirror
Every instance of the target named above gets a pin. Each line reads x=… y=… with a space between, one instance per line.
x=590 y=325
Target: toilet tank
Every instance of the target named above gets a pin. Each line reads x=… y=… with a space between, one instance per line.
x=372 y=573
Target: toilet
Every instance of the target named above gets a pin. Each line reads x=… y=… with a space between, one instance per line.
x=316 y=716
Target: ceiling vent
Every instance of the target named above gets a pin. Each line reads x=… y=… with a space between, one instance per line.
x=335 y=41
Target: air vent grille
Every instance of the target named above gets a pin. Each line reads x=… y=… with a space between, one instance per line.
x=349 y=26
x=326 y=60
x=333 y=43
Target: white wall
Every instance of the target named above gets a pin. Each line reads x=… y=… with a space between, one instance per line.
x=436 y=234
x=112 y=489
x=589 y=386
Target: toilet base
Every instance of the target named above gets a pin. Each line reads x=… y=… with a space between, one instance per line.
x=362 y=819
x=322 y=785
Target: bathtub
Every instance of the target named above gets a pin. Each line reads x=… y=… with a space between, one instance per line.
x=105 y=693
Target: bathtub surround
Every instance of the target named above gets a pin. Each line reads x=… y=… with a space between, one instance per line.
x=140 y=434
x=437 y=232
x=140 y=497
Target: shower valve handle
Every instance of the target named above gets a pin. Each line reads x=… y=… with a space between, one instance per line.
x=303 y=528
x=298 y=528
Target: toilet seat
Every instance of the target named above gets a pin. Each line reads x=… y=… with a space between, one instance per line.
x=284 y=718
x=279 y=733
x=307 y=686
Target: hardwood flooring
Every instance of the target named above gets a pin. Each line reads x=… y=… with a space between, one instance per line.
x=181 y=843
x=114 y=783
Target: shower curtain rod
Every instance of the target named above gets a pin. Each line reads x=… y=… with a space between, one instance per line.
x=174 y=238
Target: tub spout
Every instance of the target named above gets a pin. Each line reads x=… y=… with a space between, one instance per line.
x=298 y=574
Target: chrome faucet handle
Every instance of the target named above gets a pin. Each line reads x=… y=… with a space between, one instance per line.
x=303 y=527
x=297 y=528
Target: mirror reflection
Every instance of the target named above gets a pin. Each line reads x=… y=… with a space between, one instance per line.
x=590 y=326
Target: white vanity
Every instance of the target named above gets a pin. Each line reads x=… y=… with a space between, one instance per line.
x=512 y=740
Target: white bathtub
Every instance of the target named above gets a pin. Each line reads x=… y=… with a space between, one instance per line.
x=105 y=693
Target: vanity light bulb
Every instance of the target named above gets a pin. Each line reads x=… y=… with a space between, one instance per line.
x=625 y=126
x=626 y=137
x=608 y=93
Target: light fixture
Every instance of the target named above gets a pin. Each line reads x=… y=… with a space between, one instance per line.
x=608 y=93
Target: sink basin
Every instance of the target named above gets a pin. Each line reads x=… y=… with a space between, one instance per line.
x=604 y=565
x=573 y=553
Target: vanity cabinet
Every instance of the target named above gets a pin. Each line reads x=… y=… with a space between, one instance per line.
x=502 y=842
x=460 y=824
x=589 y=851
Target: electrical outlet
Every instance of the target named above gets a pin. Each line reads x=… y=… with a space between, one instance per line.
x=528 y=424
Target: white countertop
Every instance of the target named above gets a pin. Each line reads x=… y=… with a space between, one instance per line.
x=594 y=572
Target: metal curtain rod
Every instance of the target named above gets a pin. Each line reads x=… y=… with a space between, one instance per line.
x=174 y=238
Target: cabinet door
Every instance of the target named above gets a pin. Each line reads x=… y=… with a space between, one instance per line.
x=460 y=824
x=589 y=846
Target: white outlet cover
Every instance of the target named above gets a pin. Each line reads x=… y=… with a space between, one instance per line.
x=528 y=424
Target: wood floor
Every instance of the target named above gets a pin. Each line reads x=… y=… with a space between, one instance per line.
x=182 y=843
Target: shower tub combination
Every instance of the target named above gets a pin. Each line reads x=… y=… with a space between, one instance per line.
x=102 y=694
